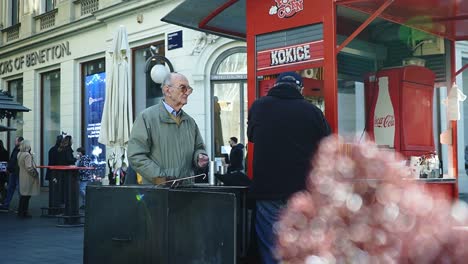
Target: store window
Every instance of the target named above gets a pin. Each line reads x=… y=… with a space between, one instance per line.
x=465 y=116
x=49 y=5
x=146 y=92
x=50 y=112
x=15 y=88
x=94 y=89
x=229 y=100
x=389 y=91
x=14 y=12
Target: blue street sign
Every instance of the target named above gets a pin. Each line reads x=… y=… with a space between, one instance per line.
x=174 y=40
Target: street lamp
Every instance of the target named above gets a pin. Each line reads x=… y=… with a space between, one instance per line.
x=158 y=65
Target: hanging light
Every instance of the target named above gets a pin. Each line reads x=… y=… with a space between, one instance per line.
x=160 y=66
x=158 y=73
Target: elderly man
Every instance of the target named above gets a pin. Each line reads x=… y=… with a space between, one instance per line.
x=165 y=142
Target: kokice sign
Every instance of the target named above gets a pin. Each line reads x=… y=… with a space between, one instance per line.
x=290 y=55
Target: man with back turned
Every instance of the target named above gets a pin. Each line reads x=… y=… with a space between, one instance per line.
x=285 y=130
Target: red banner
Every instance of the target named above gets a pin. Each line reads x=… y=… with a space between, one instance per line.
x=290 y=55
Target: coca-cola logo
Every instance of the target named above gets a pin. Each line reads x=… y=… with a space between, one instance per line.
x=386 y=121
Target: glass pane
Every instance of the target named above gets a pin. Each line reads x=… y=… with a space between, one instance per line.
x=351 y=114
x=50 y=5
x=50 y=112
x=15 y=88
x=14 y=12
x=147 y=93
x=226 y=109
x=465 y=114
x=95 y=88
x=233 y=64
x=243 y=139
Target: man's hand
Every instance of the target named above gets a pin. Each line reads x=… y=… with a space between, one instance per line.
x=203 y=160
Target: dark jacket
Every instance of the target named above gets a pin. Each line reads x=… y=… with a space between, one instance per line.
x=13 y=162
x=4 y=156
x=53 y=157
x=65 y=157
x=285 y=130
x=236 y=158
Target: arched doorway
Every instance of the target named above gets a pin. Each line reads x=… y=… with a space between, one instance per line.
x=229 y=100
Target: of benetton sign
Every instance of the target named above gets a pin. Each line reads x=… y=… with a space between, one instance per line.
x=290 y=55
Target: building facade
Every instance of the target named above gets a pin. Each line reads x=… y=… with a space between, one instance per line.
x=54 y=55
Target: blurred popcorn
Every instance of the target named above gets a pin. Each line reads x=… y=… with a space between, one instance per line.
x=358 y=209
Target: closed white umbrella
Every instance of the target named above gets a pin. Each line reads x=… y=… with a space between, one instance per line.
x=117 y=117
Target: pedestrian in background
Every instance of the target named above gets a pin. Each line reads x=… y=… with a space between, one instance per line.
x=55 y=181
x=65 y=152
x=4 y=157
x=53 y=156
x=285 y=130
x=236 y=156
x=28 y=178
x=13 y=178
x=165 y=142
x=83 y=160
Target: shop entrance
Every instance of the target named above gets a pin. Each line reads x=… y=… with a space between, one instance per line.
x=229 y=100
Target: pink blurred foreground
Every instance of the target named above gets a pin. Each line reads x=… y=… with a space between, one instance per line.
x=358 y=209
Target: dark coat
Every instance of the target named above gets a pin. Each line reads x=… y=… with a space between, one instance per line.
x=65 y=157
x=285 y=130
x=13 y=162
x=236 y=158
x=53 y=157
x=4 y=156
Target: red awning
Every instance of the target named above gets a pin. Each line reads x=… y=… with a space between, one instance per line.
x=446 y=18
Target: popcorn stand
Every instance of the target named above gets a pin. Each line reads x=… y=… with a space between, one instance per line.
x=385 y=68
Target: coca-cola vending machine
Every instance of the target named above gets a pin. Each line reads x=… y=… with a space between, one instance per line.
x=399 y=104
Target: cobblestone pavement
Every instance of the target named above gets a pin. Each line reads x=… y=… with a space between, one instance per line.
x=38 y=240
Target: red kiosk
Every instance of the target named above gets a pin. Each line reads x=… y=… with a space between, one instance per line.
x=336 y=45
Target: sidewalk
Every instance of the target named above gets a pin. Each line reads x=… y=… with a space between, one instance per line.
x=38 y=240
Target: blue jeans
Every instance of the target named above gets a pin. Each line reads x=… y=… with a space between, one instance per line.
x=83 y=191
x=13 y=184
x=267 y=215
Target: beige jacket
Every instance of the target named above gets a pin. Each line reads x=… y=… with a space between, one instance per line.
x=28 y=175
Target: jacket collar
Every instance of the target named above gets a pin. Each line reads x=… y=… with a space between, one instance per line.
x=165 y=117
x=285 y=91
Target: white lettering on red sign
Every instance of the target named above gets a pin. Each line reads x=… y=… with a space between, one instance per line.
x=290 y=55
x=286 y=8
x=387 y=121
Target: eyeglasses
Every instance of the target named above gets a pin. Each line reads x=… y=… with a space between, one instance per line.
x=184 y=88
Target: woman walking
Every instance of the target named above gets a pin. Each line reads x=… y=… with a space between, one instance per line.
x=28 y=178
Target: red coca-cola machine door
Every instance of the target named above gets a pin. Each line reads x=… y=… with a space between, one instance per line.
x=400 y=114
x=416 y=115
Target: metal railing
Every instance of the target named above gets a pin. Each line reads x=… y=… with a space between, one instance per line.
x=89 y=6
x=47 y=20
x=12 y=33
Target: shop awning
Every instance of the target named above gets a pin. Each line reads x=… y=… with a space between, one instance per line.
x=6 y=128
x=220 y=17
x=9 y=107
x=446 y=18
